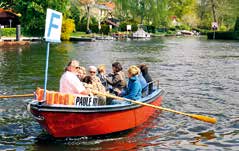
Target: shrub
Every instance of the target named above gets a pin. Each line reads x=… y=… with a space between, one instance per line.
x=162 y=29
x=68 y=26
x=122 y=26
x=8 y=32
x=222 y=28
x=81 y=27
x=182 y=27
x=105 y=29
x=94 y=28
x=151 y=29
x=134 y=27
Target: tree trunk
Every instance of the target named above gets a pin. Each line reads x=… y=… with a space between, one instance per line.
x=88 y=18
x=213 y=11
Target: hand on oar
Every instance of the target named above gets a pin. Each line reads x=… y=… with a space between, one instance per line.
x=195 y=116
x=16 y=96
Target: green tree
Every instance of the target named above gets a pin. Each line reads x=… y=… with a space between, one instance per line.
x=33 y=13
x=144 y=11
x=222 y=11
x=185 y=11
x=87 y=4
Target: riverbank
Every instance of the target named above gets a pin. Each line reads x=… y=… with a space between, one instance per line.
x=224 y=35
x=11 y=41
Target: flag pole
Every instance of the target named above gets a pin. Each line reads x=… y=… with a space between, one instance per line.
x=52 y=34
x=46 y=69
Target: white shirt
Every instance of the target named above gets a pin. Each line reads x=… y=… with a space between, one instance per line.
x=69 y=83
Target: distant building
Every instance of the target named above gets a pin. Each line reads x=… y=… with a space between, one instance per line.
x=103 y=11
x=8 y=18
x=174 y=21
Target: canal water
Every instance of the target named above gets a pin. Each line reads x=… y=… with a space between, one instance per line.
x=200 y=77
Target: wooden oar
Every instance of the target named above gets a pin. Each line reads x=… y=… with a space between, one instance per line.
x=195 y=116
x=16 y=96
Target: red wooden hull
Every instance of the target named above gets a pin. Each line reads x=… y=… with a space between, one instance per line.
x=72 y=123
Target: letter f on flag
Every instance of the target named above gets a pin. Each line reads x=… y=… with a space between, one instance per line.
x=53 y=26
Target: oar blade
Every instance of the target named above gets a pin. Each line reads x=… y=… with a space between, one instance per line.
x=204 y=118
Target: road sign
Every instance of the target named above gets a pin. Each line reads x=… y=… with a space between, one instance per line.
x=128 y=27
x=214 y=25
x=53 y=26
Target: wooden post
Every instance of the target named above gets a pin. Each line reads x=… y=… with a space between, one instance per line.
x=18 y=32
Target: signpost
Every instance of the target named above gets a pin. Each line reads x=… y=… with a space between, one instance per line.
x=128 y=28
x=52 y=34
x=214 y=28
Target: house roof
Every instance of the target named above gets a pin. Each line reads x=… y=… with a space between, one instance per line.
x=107 y=5
x=6 y=15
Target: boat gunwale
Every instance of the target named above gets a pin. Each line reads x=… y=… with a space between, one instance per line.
x=41 y=107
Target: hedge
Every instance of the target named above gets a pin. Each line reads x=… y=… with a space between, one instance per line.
x=237 y=24
x=224 y=35
x=8 y=32
x=95 y=28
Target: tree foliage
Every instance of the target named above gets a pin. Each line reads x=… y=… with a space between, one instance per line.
x=33 y=13
x=144 y=11
x=190 y=13
x=87 y=4
x=68 y=26
x=225 y=13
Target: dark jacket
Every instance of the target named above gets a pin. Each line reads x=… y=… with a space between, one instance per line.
x=148 y=79
x=117 y=80
x=133 y=91
x=103 y=81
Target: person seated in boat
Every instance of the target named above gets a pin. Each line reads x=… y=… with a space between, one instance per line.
x=102 y=75
x=81 y=73
x=92 y=72
x=96 y=80
x=144 y=70
x=134 y=89
x=69 y=82
x=92 y=86
x=117 y=78
x=143 y=84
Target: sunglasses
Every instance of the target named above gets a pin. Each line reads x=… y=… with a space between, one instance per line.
x=92 y=71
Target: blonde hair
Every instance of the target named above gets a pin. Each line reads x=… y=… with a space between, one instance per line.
x=83 y=69
x=133 y=70
x=101 y=68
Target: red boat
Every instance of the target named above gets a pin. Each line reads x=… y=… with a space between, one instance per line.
x=62 y=120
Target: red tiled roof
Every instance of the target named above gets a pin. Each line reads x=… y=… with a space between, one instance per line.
x=7 y=11
x=110 y=5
